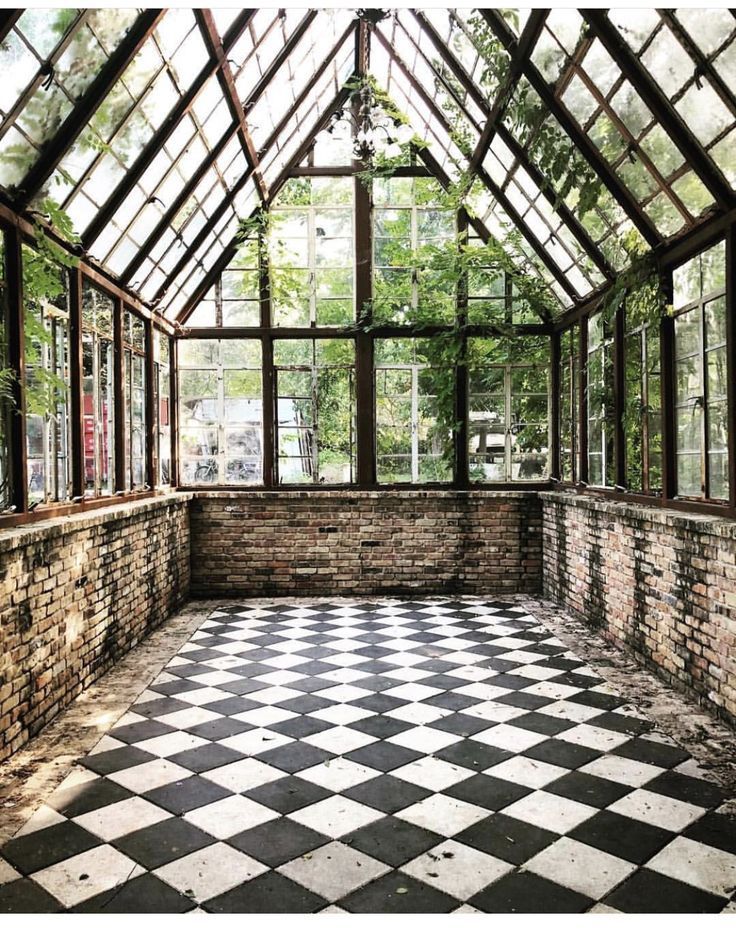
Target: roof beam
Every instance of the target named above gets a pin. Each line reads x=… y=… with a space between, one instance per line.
x=662 y=109
x=212 y=41
x=63 y=139
x=520 y=55
x=8 y=19
x=337 y=103
x=485 y=178
x=574 y=224
x=160 y=137
x=581 y=141
x=186 y=192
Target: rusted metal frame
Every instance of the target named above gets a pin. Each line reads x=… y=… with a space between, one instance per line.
x=365 y=400
x=174 y=412
x=225 y=203
x=191 y=185
x=17 y=364
x=604 y=171
x=7 y=20
x=461 y=436
x=269 y=403
x=440 y=77
x=120 y=411
x=200 y=237
x=76 y=378
x=619 y=398
x=566 y=214
x=307 y=89
x=485 y=177
x=669 y=426
x=450 y=60
x=723 y=511
x=207 y=26
x=329 y=171
x=63 y=139
x=520 y=55
x=731 y=360
x=520 y=154
x=704 y=64
x=231 y=249
x=554 y=411
x=160 y=137
x=53 y=510
x=662 y=109
x=20 y=104
x=151 y=413
x=386 y=331
x=583 y=403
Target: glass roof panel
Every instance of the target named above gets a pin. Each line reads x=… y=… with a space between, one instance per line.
x=47 y=62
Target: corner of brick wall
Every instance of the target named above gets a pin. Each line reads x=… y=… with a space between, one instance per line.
x=76 y=593
x=659 y=583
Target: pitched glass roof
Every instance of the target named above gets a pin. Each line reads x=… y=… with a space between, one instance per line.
x=157 y=131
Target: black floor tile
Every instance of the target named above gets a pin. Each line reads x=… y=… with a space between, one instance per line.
x=305 y=705
x=289 y=794
x=392 y=840
x=597 y=699
x=457 y=702
x=145 y=894
x=714 y=829
x=382 y=756
x=144 y=729
x=270 y=893
x=163 y=842
x=115 y=760
x=507 y=838
x=473 y=755
x=278 y=841
x=588 y=789
x=204 y=758
x=219 y=729
x=542 y=723
x=234 y=705
x=182 y=796
x=486 y=791
x=81 y=799
x=558 y=752
x=684 y=788
x=527 y=893
x=379 y=703
x=387 y=794
x=524 y=700
x=397 y=893
x=24 y=896
x=311 y=685
x=299 y=727
x=461 y=724
x=157 y=708
x=651 y=752
x=42 y=848
x=648 y=892
x=622 y=723
x=294 y=757
x=381 y=727
x=624 y=837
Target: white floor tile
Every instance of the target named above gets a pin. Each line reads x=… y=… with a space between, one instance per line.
x=668 y=813
x=228 y=816
x=457 y=869
x=583 y=868
x=334 y=870
x=210 y=871
x=444 y=815
x=115 y=820
x=711 y=869
x=550 y=811
x=86 y=875
x=336 y=816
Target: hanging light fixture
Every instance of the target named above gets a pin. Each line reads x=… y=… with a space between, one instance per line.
x=374 y=132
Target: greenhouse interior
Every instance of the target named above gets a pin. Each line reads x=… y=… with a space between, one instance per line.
x=367 y=461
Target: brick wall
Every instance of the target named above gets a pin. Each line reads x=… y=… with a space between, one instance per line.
x=75 y=594
x=364 y=542
x=658 y=582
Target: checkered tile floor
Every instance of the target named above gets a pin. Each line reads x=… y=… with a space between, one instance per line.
x=402 y=757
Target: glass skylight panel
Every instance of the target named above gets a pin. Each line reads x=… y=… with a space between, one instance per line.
x=315 y=105
x=126 y=121
x=267 y=33
x=42 y=80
